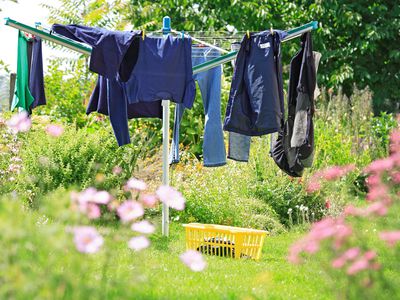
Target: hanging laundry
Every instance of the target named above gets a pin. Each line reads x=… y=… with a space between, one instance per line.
x=36 y=80
x=238 y=144
x=23 y=98
x=214 y=154
x=163 y=71
x=293 y=147
x=255 y=105
x=108 y=98
x=136 y=71
x=29 y=92
x=108 y=47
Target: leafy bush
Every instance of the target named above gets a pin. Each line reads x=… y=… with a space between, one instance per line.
x=76 y=158
x=218 y=196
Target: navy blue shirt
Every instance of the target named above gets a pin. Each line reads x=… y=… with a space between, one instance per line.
x=138 y=73
x=163 y=71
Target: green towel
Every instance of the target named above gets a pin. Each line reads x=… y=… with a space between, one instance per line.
x=23 y=98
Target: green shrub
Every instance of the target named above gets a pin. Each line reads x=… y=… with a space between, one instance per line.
x=76 y=158
x=218 y=196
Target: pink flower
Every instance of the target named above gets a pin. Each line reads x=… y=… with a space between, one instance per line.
x=373 y=180
x=54 y=130
x=336 y=172
x=377 y=192
x=143 y=227
x=313 y=186
x=294 y=252
x=390 y=237
x=93 y=211
x=139 y=243
x=379 y=208
x=86 y=195
x=332 y=173
x=311 y=247
x=339 y=262
x=101 y=197
x=194 y=260
x=87 y=239
x=369 y=255
x=20 y=122
x=351 y=253
x=171 y=197
x=135 y=184
x=148 y=200
x=117 y=170
x=351 y=210
x=396 y=177
x=130 y=210
x=358 y=266
x=380 y=165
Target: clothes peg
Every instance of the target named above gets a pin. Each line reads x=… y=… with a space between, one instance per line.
x=183 y=35
x=248 y=34
x=143 y=33
x=272 y=30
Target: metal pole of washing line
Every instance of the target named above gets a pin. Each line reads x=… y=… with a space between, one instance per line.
x=52 y=37
x=165 y=154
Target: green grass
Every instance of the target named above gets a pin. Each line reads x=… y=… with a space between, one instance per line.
x=157 y=273
x=39 y=261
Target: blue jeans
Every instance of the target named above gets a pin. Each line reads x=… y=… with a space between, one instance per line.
x=210 y=87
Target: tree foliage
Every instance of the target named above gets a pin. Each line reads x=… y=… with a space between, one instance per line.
x=358 y=40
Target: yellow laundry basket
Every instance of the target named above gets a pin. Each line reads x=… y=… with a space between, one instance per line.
x=225 y=241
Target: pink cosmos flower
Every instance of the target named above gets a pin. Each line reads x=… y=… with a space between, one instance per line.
x=380 y=165
x=54 y=130
x=20 y=122
x=377 y=192
x=87 y=239
x=148 y=200
x=373 y=180
x=117 y=170
x=130 y=210
x=294 y=252
x=313 y=186
x=311 y=247
x=339 y=262
x=358 y=266
x=379 y=208
x=143 y=227
x=93 y=211
x=351 y=253
x=351 y=210
x=395 y=137
x=101 y=197
x=336 y=172
x=194 y=260
x=135 y=184
x=370 y=255
x=171 y=197
x=396 y=177
x=139 y=243
x=390 y=237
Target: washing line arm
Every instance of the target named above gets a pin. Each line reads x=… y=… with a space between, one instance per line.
x=292 y=33
x=81 y=48
x=52 y=37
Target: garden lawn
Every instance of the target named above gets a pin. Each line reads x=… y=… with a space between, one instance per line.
x=157 y=273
